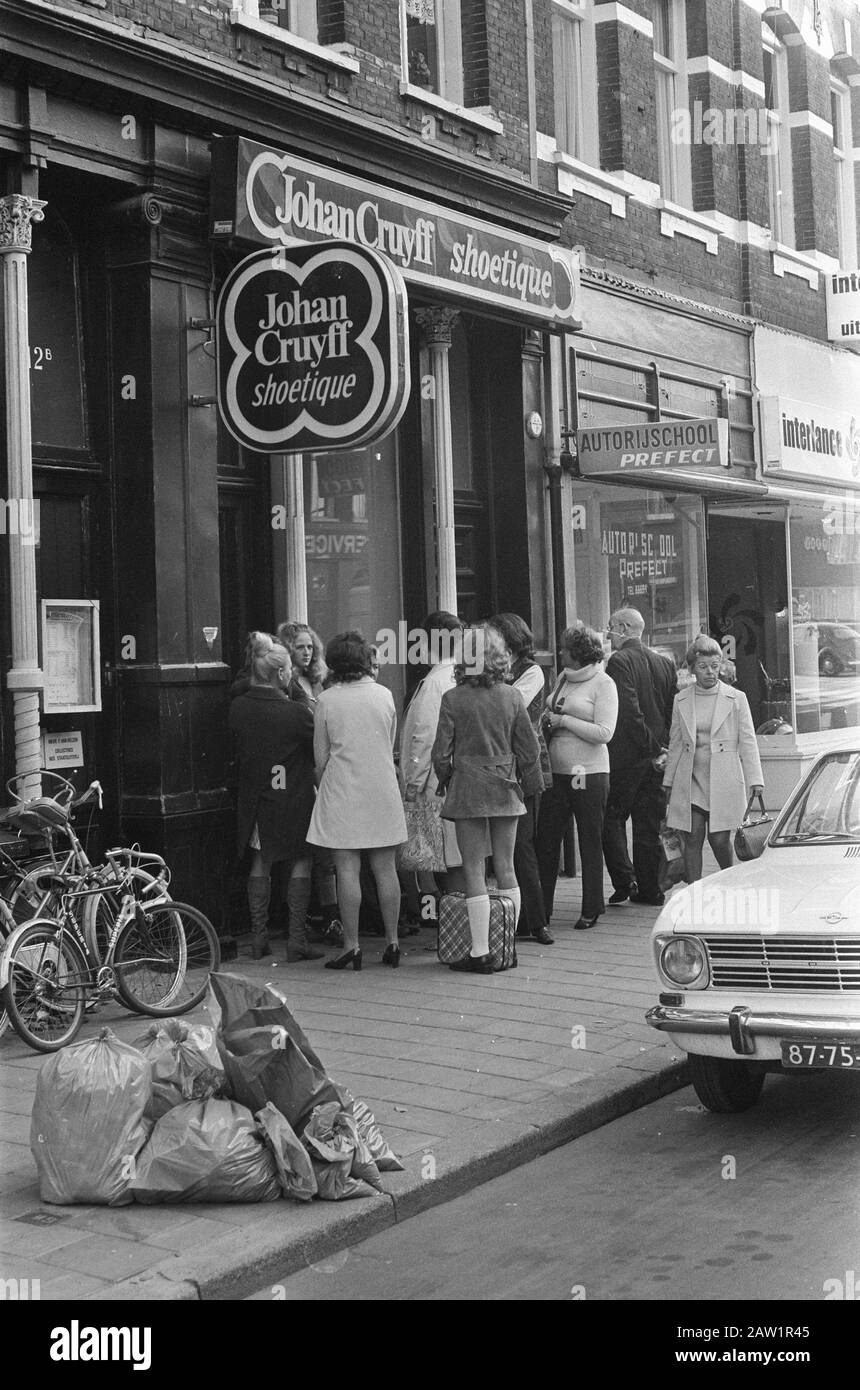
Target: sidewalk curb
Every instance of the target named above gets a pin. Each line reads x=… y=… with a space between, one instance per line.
x=298 y=1236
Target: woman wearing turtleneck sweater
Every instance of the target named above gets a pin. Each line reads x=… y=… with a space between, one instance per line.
x=579 y=721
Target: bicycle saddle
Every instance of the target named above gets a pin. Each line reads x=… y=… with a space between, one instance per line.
x=36 y=814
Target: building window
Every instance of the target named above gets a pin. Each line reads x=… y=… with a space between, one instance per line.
x=299 y=17
x=432 y=43
x=843 y=157
x=670 y=50
x=575 y=79
x=778 y=150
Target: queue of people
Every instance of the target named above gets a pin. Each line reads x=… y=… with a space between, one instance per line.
x=491 y=768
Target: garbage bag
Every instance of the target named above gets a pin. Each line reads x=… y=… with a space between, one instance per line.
x=341 y=1161
x=207 y=1151
x=380 y=1150
x=185 y=1064
x=87 y=1125
x=295 y=1169
x=266 y=1055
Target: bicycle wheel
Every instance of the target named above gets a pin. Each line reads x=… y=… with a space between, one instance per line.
x=45 y=976
x=101 y=910
x=163 y=958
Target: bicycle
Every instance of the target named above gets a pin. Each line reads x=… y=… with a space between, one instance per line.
x=157 y=962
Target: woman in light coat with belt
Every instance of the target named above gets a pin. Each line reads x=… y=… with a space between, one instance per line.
x=713 y=765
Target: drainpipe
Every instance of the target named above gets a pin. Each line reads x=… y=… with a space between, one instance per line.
x=25 y=679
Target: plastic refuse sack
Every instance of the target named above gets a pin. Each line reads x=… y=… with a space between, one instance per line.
x=265 y=1053
x=216 y=1151
x=88 y=1124
x=380 y=1150
x=185 y=1064
x=341 y=1160
x=295 y=1169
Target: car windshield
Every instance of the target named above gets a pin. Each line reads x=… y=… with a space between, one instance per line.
x=826 y=807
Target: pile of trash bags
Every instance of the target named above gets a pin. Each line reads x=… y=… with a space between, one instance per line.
x=244 y=1113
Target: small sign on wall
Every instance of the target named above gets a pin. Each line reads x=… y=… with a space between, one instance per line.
x=70 y=655
x=63 y=750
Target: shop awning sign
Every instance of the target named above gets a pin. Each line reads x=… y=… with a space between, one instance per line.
x=637 y=452
x=266 y=196
x=312 y=348
x=842 y=298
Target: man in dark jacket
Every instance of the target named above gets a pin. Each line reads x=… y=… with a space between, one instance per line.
x=646 y=693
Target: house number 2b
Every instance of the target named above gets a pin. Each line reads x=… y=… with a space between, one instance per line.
x=41 y=355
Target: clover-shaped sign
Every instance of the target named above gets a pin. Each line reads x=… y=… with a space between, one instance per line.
x=312 y=348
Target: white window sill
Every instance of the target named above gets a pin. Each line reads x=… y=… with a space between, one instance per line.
x=470 y=115
x=574 y=176
x=683 y=221
x=787 y=261
x=273 y=33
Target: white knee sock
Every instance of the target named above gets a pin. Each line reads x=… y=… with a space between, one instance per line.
x=479 y=924
x=516 y=898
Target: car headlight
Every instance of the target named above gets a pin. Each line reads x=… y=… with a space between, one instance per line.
x=683 y=961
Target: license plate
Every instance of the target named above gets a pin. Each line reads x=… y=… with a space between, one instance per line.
x=816 y=1054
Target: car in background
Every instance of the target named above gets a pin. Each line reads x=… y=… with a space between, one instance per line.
x=759 y=965
x=838 y=648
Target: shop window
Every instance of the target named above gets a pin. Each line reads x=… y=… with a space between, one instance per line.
x=825 y=620
x=575 y=79
x=352 y=546
x=777 y=151
x=433 y=46
x=670 y=50
x=843 y=161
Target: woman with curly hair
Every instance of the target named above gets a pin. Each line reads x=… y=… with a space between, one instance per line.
x=309 y=668
x=358 y=804
x=579 y=721
x=486 y=757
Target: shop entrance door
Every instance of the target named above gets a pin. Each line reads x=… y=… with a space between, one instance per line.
x=749 y=611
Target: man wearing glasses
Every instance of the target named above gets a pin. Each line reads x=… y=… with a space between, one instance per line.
x=637 y=753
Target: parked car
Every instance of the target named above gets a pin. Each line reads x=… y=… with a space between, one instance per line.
x=838 y=648
x=759 y=965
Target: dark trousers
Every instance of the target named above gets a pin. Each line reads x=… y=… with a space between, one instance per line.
x=587 y=805
x=526 y=869
x=637 y=793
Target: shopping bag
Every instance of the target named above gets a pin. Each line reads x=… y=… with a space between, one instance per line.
x=424 y=848
x=671 y=870
x=753 y=831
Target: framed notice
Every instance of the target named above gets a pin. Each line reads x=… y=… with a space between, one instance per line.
x=70 y=655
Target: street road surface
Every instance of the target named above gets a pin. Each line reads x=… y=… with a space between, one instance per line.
x=644 y=1208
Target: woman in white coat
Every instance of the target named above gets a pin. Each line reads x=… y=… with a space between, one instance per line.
x=713 y=764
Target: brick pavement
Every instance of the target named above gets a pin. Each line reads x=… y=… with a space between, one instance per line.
x=440 y=1058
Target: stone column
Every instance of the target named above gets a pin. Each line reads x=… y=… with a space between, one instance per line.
x=25 y=680
x=288 y=541
x=436 y=325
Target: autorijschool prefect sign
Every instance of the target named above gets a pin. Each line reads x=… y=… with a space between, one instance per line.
x=312 y=348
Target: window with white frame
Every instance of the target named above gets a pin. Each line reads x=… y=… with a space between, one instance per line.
x=575 y=79
x=432 y=47
x=778 y=149
x=843 y=158
x=299 y=17
x=670 y=60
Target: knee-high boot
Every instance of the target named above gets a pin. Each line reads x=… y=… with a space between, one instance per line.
x=298 y=897
x=259 y=891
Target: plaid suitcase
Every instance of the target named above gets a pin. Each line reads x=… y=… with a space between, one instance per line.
x=455 y=938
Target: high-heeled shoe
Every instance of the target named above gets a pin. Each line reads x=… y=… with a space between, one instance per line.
x=585 y=922
x=352 y=958
x=391 y=956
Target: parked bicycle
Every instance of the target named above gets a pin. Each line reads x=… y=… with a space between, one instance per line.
x=157 y=961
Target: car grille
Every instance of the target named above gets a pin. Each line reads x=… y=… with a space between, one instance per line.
x=798 y=962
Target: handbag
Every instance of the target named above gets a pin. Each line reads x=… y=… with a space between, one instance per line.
x=424 y=848
x=751 y=834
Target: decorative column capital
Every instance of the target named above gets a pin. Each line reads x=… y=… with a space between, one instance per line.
x=437 y=325
x=17 y=212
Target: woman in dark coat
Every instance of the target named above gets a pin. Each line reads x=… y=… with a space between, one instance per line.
x=274 y=748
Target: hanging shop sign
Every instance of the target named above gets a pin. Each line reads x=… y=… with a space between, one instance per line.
x=811 y=440
x=312 y=348
x=264 y=195
x=638 y=451
x=842 y=298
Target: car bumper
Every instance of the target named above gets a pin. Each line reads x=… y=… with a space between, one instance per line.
x=745 y=1032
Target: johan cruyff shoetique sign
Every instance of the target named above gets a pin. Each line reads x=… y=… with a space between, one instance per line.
x=312 y=350
x=265 y=196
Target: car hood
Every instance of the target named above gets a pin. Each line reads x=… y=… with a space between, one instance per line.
x=792 y=890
